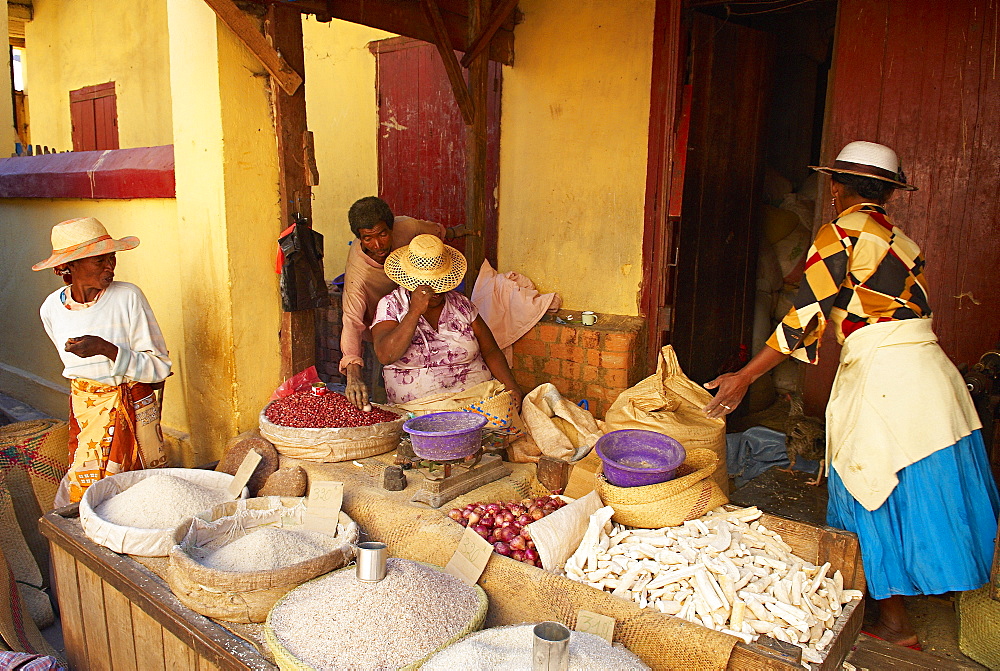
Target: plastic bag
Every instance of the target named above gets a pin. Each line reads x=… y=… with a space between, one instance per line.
x=299 y=382
x=669 y=402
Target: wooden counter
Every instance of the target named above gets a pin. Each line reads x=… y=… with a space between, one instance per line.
x=117 y=614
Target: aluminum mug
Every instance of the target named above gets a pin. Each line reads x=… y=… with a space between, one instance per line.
x=371 y=561
x=318 y=388
x=588 y=318
x=550 y=649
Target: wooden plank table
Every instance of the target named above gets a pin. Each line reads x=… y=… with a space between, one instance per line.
x=117 y=614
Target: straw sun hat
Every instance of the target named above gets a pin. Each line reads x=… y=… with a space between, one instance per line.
x=79 y=238
x=868 y=159
x=426 y=260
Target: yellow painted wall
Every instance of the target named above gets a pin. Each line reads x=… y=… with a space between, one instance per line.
x=76 y=43
x=29 y=365
x=573 y=150
x=225 y=156
x=342 y=112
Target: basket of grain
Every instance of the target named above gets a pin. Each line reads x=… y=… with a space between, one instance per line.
x=328 y=428
x=136 y=512
x=337 y=621
x=235 y=561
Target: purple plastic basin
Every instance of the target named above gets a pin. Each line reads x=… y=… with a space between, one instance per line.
x=445 y=436
x=634 y=457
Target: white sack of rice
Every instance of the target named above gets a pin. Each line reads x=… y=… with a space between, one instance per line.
x=159 y=502
x=510 y=649
x=267 y=549
x=339 y=622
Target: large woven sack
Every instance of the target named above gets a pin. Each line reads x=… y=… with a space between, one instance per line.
x=670 y=503
x=670 y=403
x=238 y=596
x=489 y=399
x=978 y=633
x=133 y=540
x=556 y=427
x=18 y=632
x=330 y=445
x=288 y=662
x=24 y=569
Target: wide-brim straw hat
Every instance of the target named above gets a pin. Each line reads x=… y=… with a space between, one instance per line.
x=868 y=159
x=426 y=260
x=80 y=238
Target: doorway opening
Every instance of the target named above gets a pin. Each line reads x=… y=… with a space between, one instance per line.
x=755 y=97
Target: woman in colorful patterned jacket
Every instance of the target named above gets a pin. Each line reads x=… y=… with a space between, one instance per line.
x=112 y=352
x=431 y=339
x=907 y=468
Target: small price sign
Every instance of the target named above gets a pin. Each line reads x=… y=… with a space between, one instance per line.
x=595 y=623
x=470 y=558
x=243 y=473
x=323 y=506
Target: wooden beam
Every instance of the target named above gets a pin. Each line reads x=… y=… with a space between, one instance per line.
x=284 y=28
x=249 y=35
x=406 y=18
x=500 y=14
x=451 y=66
x=476 y=150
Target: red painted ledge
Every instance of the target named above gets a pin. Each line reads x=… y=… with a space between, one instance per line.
x=142 y=172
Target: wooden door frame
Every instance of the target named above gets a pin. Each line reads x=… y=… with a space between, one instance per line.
x=664 y=171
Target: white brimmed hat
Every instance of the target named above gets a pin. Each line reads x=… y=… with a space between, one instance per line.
x=426 y=260
x=80 y=238
x=868 y=159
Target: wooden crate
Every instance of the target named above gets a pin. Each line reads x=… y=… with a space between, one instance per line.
x=118 y=615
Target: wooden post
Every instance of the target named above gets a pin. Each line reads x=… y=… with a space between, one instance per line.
x=284 y=28
x=475 y=148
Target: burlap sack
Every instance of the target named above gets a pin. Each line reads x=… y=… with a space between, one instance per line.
x=555 y=427
x=670 y=503
x=23 y=566
x=247 y=597
x=670 y=403
x=332 y=445
x=18 y=633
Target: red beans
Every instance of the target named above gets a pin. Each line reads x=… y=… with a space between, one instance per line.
x=304 y=410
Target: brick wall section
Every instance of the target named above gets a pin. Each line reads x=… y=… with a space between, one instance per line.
x=329 y=322
x=592 y=362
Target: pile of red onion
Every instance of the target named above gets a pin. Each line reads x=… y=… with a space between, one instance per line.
x=305 y=410
x=506 y=524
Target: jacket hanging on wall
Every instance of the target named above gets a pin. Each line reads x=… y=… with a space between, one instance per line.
x=300 y=258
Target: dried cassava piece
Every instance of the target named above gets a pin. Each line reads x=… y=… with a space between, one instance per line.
x=509 y=649
x=288 y=481
x=725 y=571
x=159 y=502
x=268 y=549
x=338 y=622
x=236 y=451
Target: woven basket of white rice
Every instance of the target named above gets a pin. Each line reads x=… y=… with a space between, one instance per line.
x=339 y=622
x=510 y=649
x=234 y=562
x=136 y=512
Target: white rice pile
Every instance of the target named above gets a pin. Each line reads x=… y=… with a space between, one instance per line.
x=339 y=622
x=159 y=502
x=269 y=548
x=509 y=649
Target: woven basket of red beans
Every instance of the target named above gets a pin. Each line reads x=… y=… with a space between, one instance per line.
x=329 y=428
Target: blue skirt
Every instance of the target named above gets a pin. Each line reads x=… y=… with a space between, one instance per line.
x=935 y=532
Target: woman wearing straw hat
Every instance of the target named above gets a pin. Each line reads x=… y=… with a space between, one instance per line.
x=113 y=353
x=431 y=339
x=907 y=468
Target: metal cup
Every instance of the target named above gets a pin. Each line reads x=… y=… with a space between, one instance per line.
x=588 y=318
x=550 y=650
x=371 y=561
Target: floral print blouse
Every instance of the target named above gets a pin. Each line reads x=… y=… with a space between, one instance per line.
x=445 y=360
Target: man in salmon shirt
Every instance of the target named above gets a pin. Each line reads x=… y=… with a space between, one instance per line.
x=365 y=283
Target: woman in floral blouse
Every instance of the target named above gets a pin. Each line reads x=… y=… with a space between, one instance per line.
x=431 y=339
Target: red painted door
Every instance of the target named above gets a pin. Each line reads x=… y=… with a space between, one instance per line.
x=921 y=77
x=717 y=239
x=421 y=142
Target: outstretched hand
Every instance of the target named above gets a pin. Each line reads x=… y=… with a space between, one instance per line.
x=732 y=388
